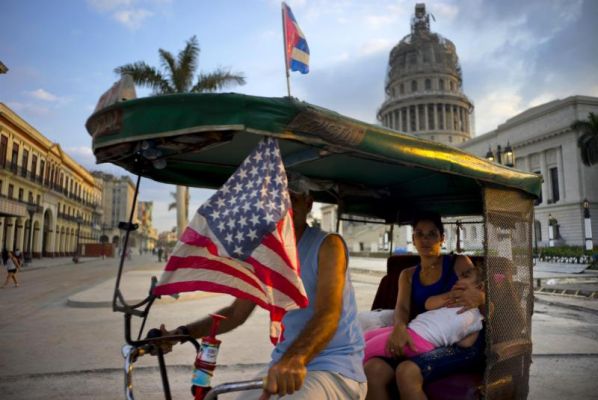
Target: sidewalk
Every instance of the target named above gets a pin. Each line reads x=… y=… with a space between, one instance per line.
x=48 y=262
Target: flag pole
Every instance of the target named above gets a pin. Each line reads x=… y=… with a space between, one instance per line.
x=284 y=47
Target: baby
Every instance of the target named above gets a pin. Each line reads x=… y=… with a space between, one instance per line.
x=434 y=328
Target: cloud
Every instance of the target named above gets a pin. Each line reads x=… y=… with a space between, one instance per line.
x=126 y=12
x=44 y=95
x=445 y=11
x=373 y=46
x=79 y=151
x=132 y=19
x=28 y=108
x=496 y=107
x=109 y=5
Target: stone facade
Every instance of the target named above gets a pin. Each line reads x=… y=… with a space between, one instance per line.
x=48 y=202
x=544 y=143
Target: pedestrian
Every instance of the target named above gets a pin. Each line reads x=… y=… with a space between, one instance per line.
x=12 y=267
x=19 y=254
x=4 y=256
x=160 y=251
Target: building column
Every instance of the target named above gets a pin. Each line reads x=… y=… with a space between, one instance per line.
x=426 y=125
x=36 y=240
x=435 y=114
x=20 y=233
x=466 y=120
x=544 y=172
x=444 y=125
x=10 y=232
x=400 y=119
x=417 y=118
x=560 y=165
x=2 y=226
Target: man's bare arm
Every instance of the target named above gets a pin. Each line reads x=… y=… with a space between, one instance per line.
x=288 y=374
x=236 y=314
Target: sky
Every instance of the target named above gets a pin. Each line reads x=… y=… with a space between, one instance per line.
x=61 y=57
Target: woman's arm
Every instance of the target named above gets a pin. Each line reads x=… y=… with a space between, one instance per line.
x=467 y=296
x=403 y=304
x=443 y=300
x=399 y=336
x=438 y=301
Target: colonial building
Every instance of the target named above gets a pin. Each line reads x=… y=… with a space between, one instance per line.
x=117 y=203
x=543 y=143
x=147 y=233
x=48 y=202
x=424 y=86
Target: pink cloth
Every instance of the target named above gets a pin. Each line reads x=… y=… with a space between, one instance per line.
x=375 y=344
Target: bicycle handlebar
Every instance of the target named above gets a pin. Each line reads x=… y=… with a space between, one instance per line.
x=234 y=387
x=131 y=352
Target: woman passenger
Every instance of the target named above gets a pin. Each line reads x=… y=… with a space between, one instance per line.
x=426 y=282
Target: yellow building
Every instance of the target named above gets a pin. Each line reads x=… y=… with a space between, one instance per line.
x=147 y=233
x=39 y=182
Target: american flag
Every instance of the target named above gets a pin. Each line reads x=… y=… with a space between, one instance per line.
x=242 y=241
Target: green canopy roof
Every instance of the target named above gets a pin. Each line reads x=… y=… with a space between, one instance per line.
x=200 y=139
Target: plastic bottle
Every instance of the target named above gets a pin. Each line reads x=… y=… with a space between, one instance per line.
x=205 y=362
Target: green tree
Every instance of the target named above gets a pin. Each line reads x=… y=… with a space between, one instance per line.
x=588 y=141
x=177 y=76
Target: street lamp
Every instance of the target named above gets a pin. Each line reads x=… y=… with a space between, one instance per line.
x=507 y=153
x=31 y=209
x=587 y=225
x=76 y=256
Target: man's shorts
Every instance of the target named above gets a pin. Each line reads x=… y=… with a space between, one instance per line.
x=320 y=385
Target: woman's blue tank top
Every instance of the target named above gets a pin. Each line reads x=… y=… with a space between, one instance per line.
x=420 y=292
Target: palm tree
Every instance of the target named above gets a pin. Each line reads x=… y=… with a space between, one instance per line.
x=588 y=141
x=177 y=76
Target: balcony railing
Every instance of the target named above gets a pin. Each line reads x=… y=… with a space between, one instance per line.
x=39 y=179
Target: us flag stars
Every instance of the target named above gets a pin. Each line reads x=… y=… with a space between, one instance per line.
x=250 y=203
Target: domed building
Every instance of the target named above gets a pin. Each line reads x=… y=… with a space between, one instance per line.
x=424 y=86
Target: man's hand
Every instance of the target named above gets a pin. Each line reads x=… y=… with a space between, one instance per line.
x=166 y=345
x=284 y=377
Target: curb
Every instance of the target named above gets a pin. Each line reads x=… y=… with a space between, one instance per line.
x=35 y=268
x=565 y=305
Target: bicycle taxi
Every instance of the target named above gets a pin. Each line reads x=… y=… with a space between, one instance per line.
x=199 y=140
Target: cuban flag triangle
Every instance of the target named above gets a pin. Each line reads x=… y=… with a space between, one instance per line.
x=296 y=49
x=242 y=241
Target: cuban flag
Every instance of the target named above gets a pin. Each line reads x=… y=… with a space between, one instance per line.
x=242 y=241
x=296 y=49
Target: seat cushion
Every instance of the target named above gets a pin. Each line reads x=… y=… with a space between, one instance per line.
x=461 y=386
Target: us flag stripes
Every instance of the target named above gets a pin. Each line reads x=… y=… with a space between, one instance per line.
x=242 y=241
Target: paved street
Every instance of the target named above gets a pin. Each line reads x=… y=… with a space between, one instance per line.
x=60 y=339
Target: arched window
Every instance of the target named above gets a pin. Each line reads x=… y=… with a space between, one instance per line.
x=402 y=88
x=413 y=86
x=428 y=84
x=441 y=84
